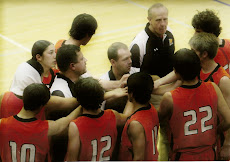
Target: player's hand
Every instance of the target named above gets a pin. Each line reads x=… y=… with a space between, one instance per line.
x=225 y=152
x=119 y=92
x=123 y=80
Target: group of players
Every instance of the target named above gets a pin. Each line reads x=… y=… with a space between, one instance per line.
x=118 y=118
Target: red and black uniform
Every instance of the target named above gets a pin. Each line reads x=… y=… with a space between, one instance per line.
x=215 y=75
x=223 y=55
x=193 y=123
x=148 y=118
x=12 y=105
x=48 y=81
x=98 y=134
x=59 y=44
x=23 y=139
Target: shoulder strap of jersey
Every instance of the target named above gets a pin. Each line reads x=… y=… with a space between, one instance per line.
x=210 y=76
x=52 y=77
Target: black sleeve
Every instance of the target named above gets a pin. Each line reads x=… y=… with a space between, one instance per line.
x=135 y=51
x=58 y=93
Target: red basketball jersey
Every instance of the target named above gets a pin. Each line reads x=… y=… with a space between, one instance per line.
x=148 y=118
x=193 y=123
x=59 y=44
x=98 y=134
x=48 y=81
x=215 y=75
x=11 y=105
x=223 y=55
x=23 y=139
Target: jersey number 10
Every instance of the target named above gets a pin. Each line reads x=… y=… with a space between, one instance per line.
x=30 y=147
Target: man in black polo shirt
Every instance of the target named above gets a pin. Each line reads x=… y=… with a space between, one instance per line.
x=153 y=47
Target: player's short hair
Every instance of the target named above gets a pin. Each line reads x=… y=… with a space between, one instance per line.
x=83 y=25
x=89 y=93
x=34 y=96
x=154 y=6
x=39 y=47
x=66 y=55
x=207 y=21
x=205 y=42
x=113 y=50
x=187 y=63
x=141 y=86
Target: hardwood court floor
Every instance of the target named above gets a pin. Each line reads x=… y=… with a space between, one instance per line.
x=25 y=21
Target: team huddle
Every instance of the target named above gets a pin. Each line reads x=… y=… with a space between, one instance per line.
x=56 y=111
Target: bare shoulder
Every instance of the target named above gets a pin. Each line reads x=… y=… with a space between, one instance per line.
x=214 y=85
x=167 y=99
x=73 y=127
x=52 y=126
x=224 y=84
x=224 y=80
x=166 y=106
x=135 y=127
x=167 y=95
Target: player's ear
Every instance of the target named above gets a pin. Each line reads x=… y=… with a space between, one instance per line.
x=112 y=61
x=38 y=57
x=204 y=54
x=71 y=66
x=149 y=18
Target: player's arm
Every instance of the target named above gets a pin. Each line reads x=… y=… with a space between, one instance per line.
x=225 y=150
x=136 y=135
x=164 y=113
x=116 y=93
x=225 y=88
x=122 y=117
x=166 y=88
x=169 y=78
x=74 y=143
x=60 y=103
x=155 y=77
x=223 y=109
x=166 y=107
x=56 y=127
x=108 y=84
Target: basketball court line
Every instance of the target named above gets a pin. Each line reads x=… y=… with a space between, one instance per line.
x=103 y=33
x=15 y=43
x=222 y=2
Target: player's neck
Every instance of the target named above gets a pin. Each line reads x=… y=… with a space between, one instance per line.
x=190 y=82
x=137 y=106
x=73 y=41
x=208 y=66
x=92 y=112
x=26 y=114
x=46 y=72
